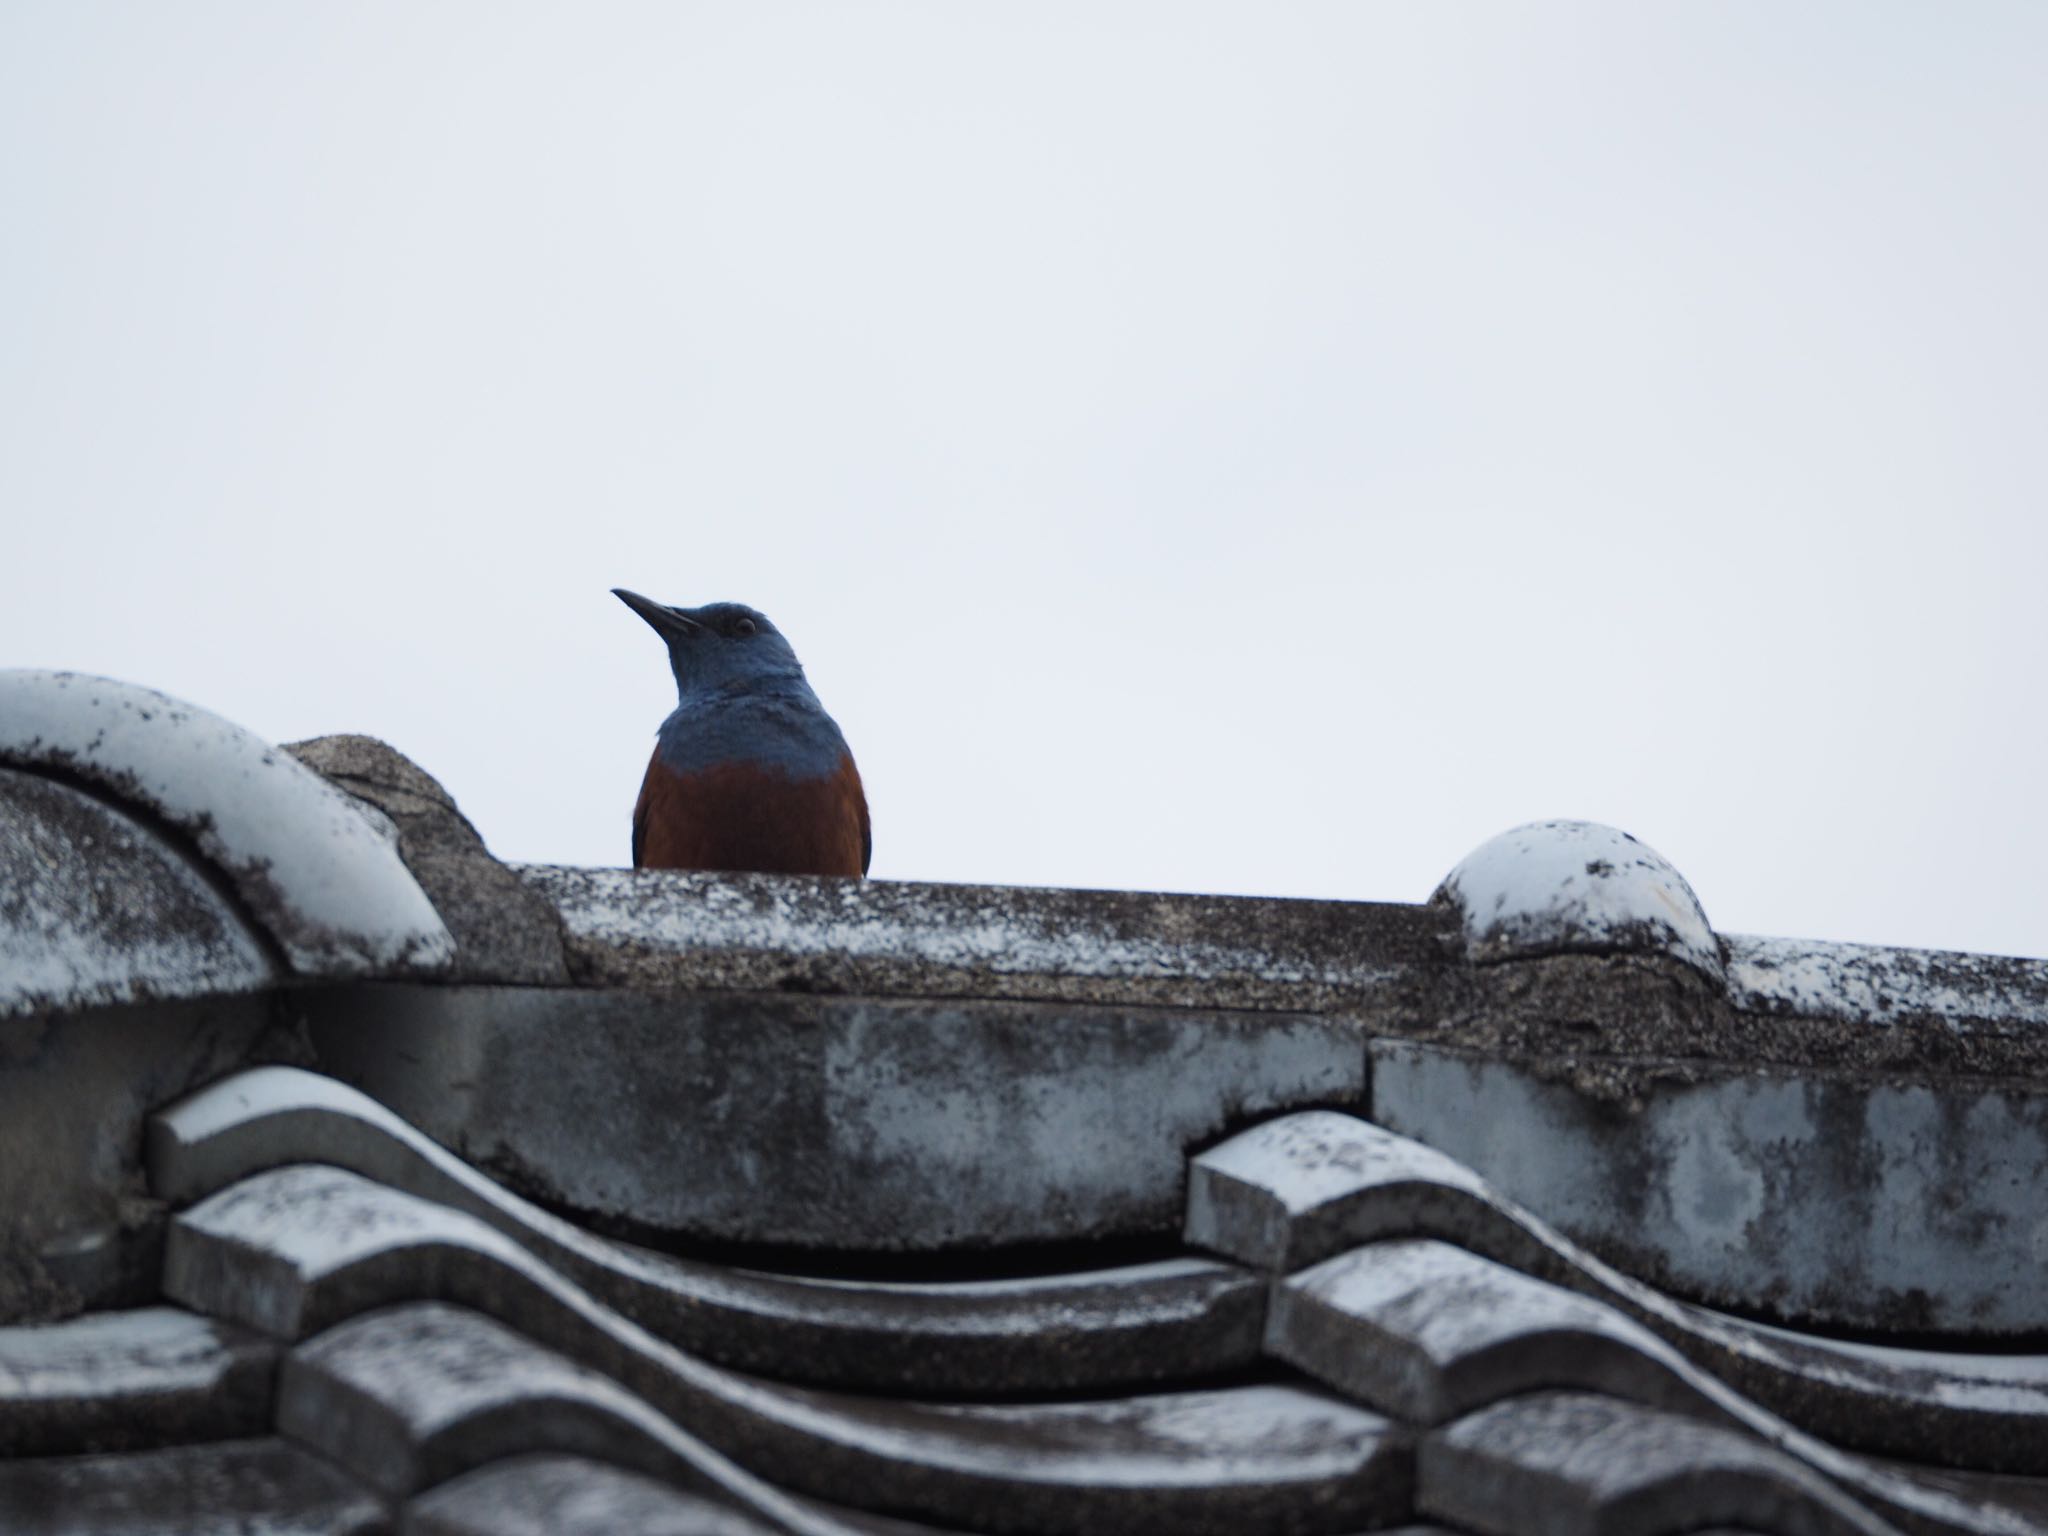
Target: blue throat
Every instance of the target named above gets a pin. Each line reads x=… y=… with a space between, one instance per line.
x=771 y=723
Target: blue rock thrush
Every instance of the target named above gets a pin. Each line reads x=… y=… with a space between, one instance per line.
x=749 y=772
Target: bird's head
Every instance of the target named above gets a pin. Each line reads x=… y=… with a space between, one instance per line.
x=721 y=645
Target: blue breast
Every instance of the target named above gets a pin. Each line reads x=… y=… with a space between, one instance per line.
x=784 y=728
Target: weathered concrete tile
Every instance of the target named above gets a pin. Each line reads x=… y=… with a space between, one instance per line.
x=102 y=909
x=74 y=1092
x=1426 y=1331
x=1554 y=886
x=1977 y=1410
x=289 y=1251
x=321 y=875
x=1743 y=1183
x=2020 y=1502
x=878 y=1124
x=1867 y=984
x=504 y=929
x=228 y=1488
x=1227 y=1460
x=1300 y=1188
x=558 y=1495
x=299 y=1247
x=118 y=1380
x=265 y=1117
x=674 y=929
x=547 y=1493
x=863 y=1522
x=1563 y=1464
x=407 y=1395
x=304 y=1245
x=1093 y=1330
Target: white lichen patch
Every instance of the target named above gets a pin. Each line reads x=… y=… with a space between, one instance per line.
x=989 y=931
x=1873 y=984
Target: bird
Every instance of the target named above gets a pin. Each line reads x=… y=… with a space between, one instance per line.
x=748 y=771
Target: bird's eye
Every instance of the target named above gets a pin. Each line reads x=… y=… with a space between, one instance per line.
x=743 y=627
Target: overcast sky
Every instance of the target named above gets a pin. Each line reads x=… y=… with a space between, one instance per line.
x=1254 y=448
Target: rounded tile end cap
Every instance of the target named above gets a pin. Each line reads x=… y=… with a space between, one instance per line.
x=1550 y=887
x=322 y=876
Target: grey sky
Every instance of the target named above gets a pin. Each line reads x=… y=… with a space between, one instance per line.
x=1262 y=448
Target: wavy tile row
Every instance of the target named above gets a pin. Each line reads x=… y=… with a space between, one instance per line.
x=363 y=1333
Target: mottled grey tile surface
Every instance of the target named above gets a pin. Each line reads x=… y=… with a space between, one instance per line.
x=1427 y=1331
x=116 y=1380
x=671 y=928
x=561 y=1495
x=1225 y=1460
x=293 y=1249
x=297 y=1247
x=1297 y=1189
x=1093 y=1329
x=318 y=871
x=1865 y=1203
x=1878 y=985
x=1573 y=1464
x=408 y=1395
x=504 y=930
x=853 y=1124
x=100 y=908
x=228 y=1488
x=1304 y=1186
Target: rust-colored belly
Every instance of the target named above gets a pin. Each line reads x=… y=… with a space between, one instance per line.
x=738 y=817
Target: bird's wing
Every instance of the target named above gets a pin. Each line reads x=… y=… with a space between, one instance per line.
x=867 y=837
x=640 y=823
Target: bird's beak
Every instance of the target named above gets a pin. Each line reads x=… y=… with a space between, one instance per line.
x=669 y=623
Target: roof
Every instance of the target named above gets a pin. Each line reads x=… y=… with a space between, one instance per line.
x=358 y=1181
